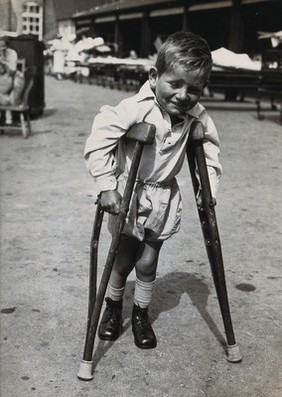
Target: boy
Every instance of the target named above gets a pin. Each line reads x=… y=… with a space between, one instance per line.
x=169 y=99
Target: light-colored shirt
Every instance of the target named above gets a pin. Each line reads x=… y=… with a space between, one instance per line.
x=7 y=70
x=160 y=161
x=10 y=57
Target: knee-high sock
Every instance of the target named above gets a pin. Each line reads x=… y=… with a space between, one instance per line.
x=143 y=293
x=116 y=294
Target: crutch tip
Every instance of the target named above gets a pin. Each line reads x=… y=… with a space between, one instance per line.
x=233 y=353
x=85 y=370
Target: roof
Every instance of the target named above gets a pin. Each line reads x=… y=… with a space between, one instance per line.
x=122 y=5
x=115 y=6
x=66 y=8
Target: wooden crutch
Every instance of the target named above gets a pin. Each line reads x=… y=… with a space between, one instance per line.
x=141 y=133
x=197 y=160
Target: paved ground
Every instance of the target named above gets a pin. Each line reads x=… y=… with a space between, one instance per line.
x=46 y=220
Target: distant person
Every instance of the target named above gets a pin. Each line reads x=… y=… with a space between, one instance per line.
x=59 y=62
x=60 y=48
x=169 y=99
x=133 y=55
x=11 y=80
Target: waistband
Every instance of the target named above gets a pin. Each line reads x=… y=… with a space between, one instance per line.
x=155 y=184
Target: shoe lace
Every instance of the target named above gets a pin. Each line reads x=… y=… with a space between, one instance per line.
x=142 y=321
x=112 y=311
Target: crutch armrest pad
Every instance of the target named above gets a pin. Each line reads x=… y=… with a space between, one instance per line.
x=197 y=131
x=142 y=132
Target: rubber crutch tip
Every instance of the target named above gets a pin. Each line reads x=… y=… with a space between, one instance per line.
x=85 y=370
x=233 y=353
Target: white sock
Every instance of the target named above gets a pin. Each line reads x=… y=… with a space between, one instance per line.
x=143 y=293
x=116 y=294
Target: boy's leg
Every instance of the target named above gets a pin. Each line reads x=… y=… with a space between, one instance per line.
x=146 y=267
x=124 y=262
x=111 y=322
x=147 y=260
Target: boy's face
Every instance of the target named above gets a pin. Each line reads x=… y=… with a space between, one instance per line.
x=177 y=90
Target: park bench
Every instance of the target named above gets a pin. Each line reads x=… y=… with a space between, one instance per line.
x=270 y=82
x=234 y=82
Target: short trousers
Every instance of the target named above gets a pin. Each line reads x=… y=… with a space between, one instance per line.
x=155 y=209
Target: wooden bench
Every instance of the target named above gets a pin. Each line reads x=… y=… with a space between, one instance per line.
x=270 y=83
x=234 y=82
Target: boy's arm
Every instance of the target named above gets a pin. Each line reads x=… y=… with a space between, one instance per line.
x=108 y=128
x=212 y=152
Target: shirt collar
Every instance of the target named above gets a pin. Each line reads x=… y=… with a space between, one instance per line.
x=146 y=92
x=196 y=111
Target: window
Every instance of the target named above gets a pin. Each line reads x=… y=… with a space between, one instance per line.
x=32 y=17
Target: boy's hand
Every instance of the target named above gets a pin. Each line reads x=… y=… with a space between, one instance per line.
x=110 y=201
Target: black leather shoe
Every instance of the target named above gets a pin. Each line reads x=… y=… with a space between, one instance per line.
x=144 y=336
x=111 y=323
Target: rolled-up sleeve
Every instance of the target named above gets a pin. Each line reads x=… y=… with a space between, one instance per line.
x=212 y=152
x=108 y=128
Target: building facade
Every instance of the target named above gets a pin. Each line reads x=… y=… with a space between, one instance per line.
x=44 y=19
x=22 y=17
x=141 y=25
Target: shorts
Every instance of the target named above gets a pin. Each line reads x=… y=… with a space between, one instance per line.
x=155 y=208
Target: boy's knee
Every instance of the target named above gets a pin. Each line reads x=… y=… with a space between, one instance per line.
x=145 y=267
x=121 y=269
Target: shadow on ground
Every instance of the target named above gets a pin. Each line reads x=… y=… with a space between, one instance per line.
x=167 y=294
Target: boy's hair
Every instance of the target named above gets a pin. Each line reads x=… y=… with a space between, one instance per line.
x=185 y=49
